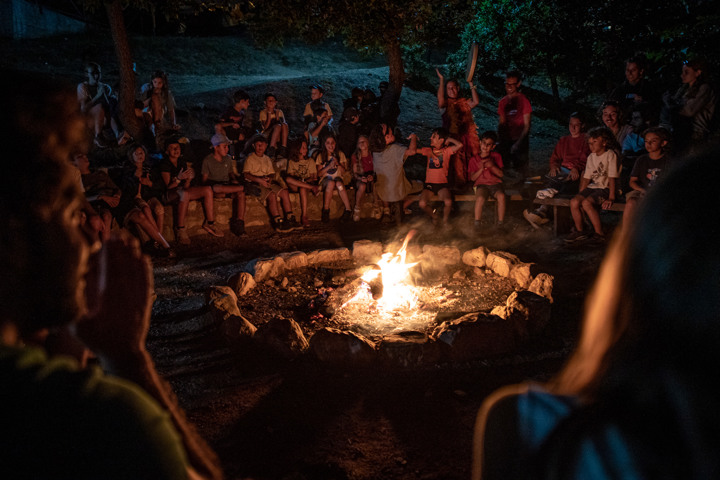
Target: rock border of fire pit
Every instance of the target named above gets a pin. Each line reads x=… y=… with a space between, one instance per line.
x=474 y=336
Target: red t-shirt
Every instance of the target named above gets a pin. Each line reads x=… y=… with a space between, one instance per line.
x=486 y=177
x=437 y=165
x=514 y=109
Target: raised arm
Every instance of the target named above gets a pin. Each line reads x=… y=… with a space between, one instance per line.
x=119 y=295
x=473 y=92
x=441 y=90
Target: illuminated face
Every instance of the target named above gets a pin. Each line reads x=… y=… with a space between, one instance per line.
x=653 y=143
x=451 y=89
x=243 y=104
x=637 y=120
x=158 y=83
x=270 y=103
x=173 y=151
x=633 y=73
x=389 y=135
x=575 y=126
x=330 y=144
x=610 y=117
x=303 y=150
x=487 y=145
x=315 y=94
x=436 y=141
x=511 y=85
x=138 y=155
x=363 y=144
x=260 y=148
x=596 y=144
x=222 y=149
x=689 y=75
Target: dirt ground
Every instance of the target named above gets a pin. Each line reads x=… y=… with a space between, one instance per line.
x=275 y=419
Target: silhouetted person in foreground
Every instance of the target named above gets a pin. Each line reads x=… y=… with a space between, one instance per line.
x=638 y=399
x=61 y=295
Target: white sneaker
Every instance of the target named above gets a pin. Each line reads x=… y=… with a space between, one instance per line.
x=356 y=215
x=212 y=229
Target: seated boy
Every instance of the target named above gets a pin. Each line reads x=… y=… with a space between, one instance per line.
x=316 y=94
x=486 y=173
x=258 y=169
x=442 y=147
x=318 y=129
x=648 y=169
x=218 y=172
x=567 y=163
x=235 y=122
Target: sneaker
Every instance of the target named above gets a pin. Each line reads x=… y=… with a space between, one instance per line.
x=212 y=229
x=577 y=236
x=347 y=215
x=407 y=211
x=325 y=216
x=292 y=223
x=356 y=214
x=305 y=222
x=535 y=218
x=282 y=152
x=182 y=236
x=237 y=227
x=386 y=217
x=281 y=226
x=271 y=151
x=477 y=226
x=598 y=238
x=501 y=227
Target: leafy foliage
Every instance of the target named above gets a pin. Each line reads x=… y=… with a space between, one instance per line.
x=584 y=44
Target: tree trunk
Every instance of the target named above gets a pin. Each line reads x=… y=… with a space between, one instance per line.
x=126 y=98
x=389 y=109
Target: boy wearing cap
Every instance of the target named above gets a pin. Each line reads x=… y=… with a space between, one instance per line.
x=316 y=94
x=218 y=173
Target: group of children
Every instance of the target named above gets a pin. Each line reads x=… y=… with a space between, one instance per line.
x=262 y=160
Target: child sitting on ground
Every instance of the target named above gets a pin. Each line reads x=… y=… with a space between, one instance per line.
x=274 y=127
x=598 y=186
x=567 y=163
x=218 y=172
x=486 y=173
x=301 y=175
x=648 y=169
x=258 y=169
x=332 y=166
x=363 y=173
x=441 y=149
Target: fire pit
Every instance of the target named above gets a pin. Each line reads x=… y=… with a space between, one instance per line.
x=376 y=301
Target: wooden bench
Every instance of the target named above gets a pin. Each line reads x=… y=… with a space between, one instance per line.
x=562 y=221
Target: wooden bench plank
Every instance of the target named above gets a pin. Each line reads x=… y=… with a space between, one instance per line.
x=564 y=201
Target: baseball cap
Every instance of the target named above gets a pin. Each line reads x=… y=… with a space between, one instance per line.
x=219 y=139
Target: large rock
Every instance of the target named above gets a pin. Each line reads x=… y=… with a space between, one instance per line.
x=522 y=273
x=501 y=262
x=527 y=312
x=266 y=268
x=241 y=283
x=328 y=256
x=409 y=349
x=476 y=335
x=367 y=251
x=343 y=347
x=437 y=258
x=294 y=260
x=542 y=284
x=283 y=336
x=476 y=257
x=222 y=304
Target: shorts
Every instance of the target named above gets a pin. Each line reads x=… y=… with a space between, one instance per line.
x=264 y=192
x=338 y=182
x=435 y=187
x=486 y=190
x=368 y=185
x=171 y=197
x=599 y=195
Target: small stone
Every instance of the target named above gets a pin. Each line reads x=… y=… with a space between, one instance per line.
x=542 y=284
x=284 y=282
x=241 y=283
x=501 y=262
x=476 y=257
x=317 y=283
